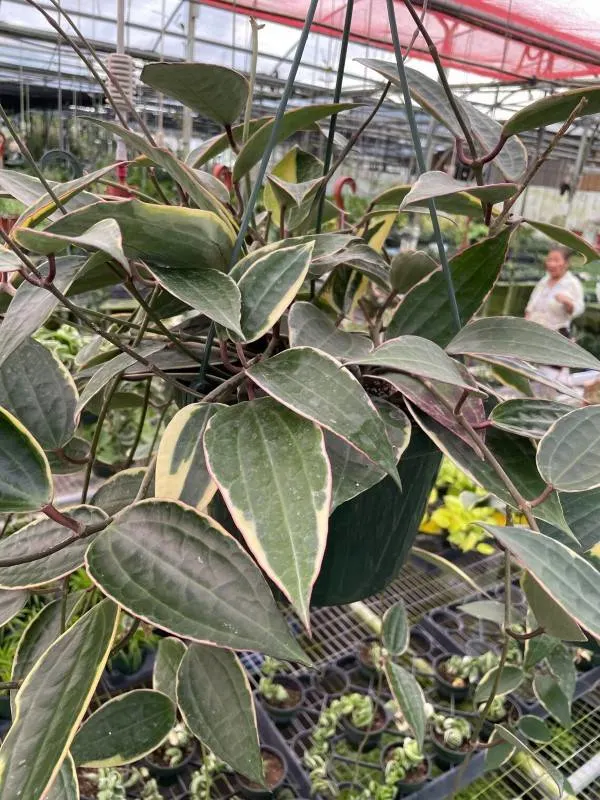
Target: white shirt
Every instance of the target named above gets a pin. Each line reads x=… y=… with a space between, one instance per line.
x=545 y=309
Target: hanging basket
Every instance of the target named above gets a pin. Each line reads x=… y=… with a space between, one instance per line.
x=370 y=536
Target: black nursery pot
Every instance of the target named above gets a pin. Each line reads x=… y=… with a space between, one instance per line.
x=356 y=736
x=118 y=676
x=511 y=720
x=444 y=686
x=413 y=782
x=334 y=680
x=284 y=714
x=168 y=774
x=254 y=791
x=5 y=709
x=447 y=757
x=370 y=536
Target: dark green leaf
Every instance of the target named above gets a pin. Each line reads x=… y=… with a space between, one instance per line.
x=69 y=459
x=568 y=456
x=309 y=326
x=569 y=579
x=460 y=204
x=119 y=490
x=51 y=703
x=537 y=649
x=512 y=159
x=31 y=306
x=181 y=471
x=560 y=661
x=169 y=653
x=552 y=698
x=31 y=192
x=296 y=120
x=207 y=290
x=124 y=729
x=211 y=90
x=40 y=535
x=528 y=416
x=499 y=754
x=215 y=699
x=40 y=393
x=417 y=356
x=408 y=694
x=11 y=602
x=41 y=632
x=316 y=386
x=425 y=311
x=291 y=195
x=396 y=629
x=269 y=286
x=510 y=679
x=410 y=268
x=511 y=337
x=535 y=729
x=256 y=452
x=548 y=613
x=552 y=109
x=179 y=570
x=25 y=478
x=581 y=513
x=173 y=236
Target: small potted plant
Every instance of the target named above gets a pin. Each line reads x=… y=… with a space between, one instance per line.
x=282 y=695
x=406 y=766
x=583 y=659
x=363 y=719
x=108 y=783
x=333 y=679
x=451 y=738
x=132 y=665
x=502 y=711
x=368 y=654
x=456 y=675
x=174 y=755
x=203 y=778
x=274 y=770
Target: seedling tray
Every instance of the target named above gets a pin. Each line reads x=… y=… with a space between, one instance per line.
x=347 y=767
x=458 y=632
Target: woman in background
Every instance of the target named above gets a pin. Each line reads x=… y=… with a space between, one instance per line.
x=558 y=297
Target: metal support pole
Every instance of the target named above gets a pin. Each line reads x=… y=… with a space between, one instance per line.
x=189 y=56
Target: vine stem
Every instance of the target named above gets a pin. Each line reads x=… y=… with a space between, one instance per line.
x=522 y=504
x=140 y=427
x=104 y=409
x=147 y=479
x=416 y=139
x=535 y=167
x=127 y=636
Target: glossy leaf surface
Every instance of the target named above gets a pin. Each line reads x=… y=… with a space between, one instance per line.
x=316 y=386
x=568 y=456
x=552 y=109
x=179 y=570
x=169 y=653
x=215 y=699
x=309 y=326
x=26 y=479
x=407 y=692
x=396 y=629
x=124 y=729
x=528 y=416
x=181 y=470
x=271 y=468
x=59 y=688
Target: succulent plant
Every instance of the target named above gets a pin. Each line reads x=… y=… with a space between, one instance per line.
x=455 y=731
x=267 y=686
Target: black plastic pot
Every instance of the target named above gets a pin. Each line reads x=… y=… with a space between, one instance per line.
x=283 y=715
x=117 y=677
x=256 y=792
x=444 y=687
x=168 y=774
x=510 y=720
x=445 y=756
x=370 y=536
x=406 y=786
x=333 y=680
x=365 y=666
x=368 y=739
